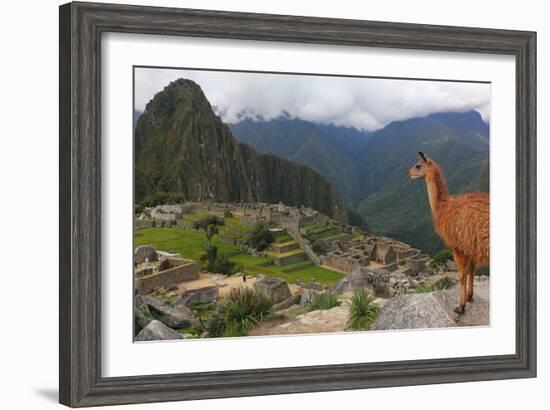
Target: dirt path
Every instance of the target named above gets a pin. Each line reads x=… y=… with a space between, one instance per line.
x=317 y=321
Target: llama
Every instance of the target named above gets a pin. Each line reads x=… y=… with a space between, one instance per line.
x=462 y=222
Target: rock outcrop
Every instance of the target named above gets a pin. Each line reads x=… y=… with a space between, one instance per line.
x=276 y=288
x=195 y=296
x=434 y=310
x=157 y=331
x=175 y=317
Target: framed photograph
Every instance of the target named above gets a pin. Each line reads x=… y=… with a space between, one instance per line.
x=261 y=204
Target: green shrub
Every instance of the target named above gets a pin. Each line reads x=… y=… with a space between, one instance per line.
x=356 y=219
x=261 y=238
x=324 y=301
x=238 y=312
x=319 y=247
x=440 y=259
x=217 y=263
x=161 y=198
x=441 y=284
x=209 y=224
x=423 y=288
x=444 y=283
x=363 y=310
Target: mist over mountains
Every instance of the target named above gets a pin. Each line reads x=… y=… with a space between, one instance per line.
x=182 y=146
x=369 y=169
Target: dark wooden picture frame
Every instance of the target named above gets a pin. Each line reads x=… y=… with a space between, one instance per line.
x=81 y=27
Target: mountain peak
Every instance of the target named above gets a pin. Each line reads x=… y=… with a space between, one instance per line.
x=182 y=146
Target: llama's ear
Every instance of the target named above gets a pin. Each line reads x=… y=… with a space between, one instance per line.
x=423 y=156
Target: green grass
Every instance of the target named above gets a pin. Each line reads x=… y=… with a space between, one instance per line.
x=323 y=232
x=233 y=225
x=194 y=216
x=324 y=301
x=285 y=254
x=186 y=242
x=189 y=244
x=283 y=238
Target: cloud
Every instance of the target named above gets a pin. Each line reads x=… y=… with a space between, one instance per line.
x=363 y=103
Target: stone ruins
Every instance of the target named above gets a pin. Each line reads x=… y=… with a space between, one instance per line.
x=155 y=269
x=346 y=248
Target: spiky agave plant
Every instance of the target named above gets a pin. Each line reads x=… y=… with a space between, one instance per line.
x=324 y=301
x=241 y=309
x=363 y=310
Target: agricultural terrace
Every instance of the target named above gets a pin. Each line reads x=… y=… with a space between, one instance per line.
x=189 y=243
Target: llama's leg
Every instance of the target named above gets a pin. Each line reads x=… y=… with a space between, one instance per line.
x=471 y=272
x=461 y=265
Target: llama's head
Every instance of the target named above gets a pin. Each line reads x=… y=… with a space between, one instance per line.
x=422 y=167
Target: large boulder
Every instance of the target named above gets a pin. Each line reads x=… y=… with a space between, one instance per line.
x=434 y=310
x=307 y=297
x=145 y=252
x=195 y=296
x=477 y=311
x=157 y=331
x=413 y=311
x=276 y=288
x=142 y=317
x=175 y=317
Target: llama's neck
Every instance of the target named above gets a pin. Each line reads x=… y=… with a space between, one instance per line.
x=437 y=189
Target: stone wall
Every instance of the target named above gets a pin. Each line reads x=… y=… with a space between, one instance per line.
x=288 y=260
x=417 y=264
x=341 y=262
x=144 y=223
x=294 y=233
x=188 y=270
x=160 y=216
x=152 y=223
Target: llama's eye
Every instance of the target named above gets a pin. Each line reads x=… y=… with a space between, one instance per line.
x=417 y=167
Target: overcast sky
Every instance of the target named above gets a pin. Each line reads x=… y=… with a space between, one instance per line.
x=363 y=103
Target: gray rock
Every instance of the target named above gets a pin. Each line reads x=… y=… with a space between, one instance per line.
x=413 y=311
x=174 y=317
x=142 y=317
x=477 y=312
x=201 y=295
x=359 y=280
x=434 y=310
x=276 y=288
x=307 y=296
x=139 y=300
x=145 y=251
x=157 y=331
x=292 y=300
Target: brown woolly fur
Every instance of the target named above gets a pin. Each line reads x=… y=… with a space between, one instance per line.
x=462 y=221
